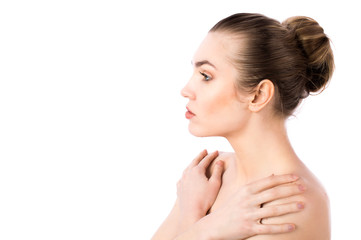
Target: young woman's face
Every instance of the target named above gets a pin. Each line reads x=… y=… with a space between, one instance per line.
x=216 y=107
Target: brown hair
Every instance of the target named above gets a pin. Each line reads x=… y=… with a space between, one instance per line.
x=295 y=55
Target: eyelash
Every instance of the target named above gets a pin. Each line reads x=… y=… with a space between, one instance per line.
x=206 y=77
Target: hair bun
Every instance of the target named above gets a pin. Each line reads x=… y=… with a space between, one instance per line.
x=315 y=45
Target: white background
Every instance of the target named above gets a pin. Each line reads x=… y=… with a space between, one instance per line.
x=92 y=130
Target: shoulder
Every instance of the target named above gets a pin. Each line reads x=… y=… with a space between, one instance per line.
x=226 y=157
x=313 y=223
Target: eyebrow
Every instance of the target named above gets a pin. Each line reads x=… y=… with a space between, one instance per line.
x=200 y=63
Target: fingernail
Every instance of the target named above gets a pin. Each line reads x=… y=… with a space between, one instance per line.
x=291 y=227
x=300 y=205
x=301 y=187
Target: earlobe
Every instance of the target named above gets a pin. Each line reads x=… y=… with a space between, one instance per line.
x=262 y=96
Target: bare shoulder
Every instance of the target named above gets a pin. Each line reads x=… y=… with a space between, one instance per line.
x=226 y=157
x=313 y=223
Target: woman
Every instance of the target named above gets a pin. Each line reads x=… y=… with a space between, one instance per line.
x=250 y=73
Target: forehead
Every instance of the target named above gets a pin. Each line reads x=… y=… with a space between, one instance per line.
x=217 y=48
x=212 y=48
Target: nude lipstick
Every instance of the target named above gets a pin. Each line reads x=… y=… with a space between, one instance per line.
x=189 y=114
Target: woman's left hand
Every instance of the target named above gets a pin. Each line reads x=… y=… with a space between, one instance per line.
x=196 y=192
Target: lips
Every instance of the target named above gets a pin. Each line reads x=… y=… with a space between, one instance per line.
x=189 y=114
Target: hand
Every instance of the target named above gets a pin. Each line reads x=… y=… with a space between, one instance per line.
x=240 y=217
x=196 y=192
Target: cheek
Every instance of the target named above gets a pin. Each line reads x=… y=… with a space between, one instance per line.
x=222 y=103
x=221 y=111
x=226 y=112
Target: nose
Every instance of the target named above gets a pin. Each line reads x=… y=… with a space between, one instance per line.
x=187 y=92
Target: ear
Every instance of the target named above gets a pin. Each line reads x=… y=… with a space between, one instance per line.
x=262 y=95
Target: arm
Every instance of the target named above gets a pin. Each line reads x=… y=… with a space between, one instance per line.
x=169 y=228
x=196 y=194
x=197 y=231
x=239 y=218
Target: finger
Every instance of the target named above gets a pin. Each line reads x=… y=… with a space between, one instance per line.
x=278 y=210
x=271 y=181
x=278 y=193
x=208 y=159
x=217 y=173
x=199 y=158
x=273 y=228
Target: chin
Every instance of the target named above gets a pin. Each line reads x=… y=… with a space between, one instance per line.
x=197 y=132
x=201 y=132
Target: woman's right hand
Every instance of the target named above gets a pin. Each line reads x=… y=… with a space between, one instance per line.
x=196 y=191
x=241 y=217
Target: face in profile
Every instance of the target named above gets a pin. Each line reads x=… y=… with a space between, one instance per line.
x=216 y=106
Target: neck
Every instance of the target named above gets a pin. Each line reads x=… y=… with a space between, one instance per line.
x=262 y=149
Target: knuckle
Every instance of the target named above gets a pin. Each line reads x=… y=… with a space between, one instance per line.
x=259 y=229
x=247 y=189
x=274 y=211
x=198 y=170
x=266 y=229
x=275 y=192
x=248 y=215
x=272 y=178
x=249 y=227
x=201 y=158
x=216 y=180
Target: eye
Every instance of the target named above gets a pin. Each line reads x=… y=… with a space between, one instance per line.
x=205 y=76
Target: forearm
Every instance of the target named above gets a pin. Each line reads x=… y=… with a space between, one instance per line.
x=178 y=222
x=169 y=228
x=196 y=193
x=198 y=231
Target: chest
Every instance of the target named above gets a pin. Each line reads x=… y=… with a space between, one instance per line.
x=225 y=193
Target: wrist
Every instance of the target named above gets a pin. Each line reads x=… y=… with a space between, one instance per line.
x=189 y=217
x=187 y=221
x=198 y=231
x=205 y=228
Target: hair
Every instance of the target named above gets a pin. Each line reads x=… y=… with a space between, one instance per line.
x=295 y=55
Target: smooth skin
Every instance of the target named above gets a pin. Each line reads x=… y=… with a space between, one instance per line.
x=258 y=136
x=240 y=218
